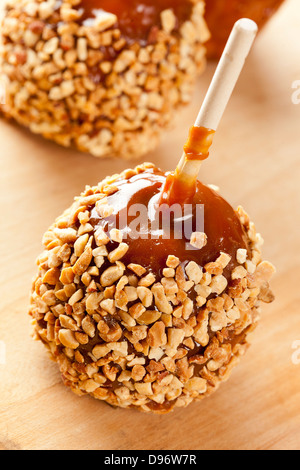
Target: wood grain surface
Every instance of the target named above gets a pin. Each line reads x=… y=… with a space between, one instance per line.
x=255 y=161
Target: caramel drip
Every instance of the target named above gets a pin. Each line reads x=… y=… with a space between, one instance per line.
x=179 y=188
x=198 y=144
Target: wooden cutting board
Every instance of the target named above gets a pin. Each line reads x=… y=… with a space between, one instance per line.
x=255 y=162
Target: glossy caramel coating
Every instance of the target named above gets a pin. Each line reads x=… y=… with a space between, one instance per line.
x=221 y=224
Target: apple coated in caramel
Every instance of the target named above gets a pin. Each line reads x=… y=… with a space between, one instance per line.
x=150 y=322
x=103 y=76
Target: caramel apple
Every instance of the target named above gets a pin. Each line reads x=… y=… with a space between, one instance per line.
x=151 y=324
x=103 y=76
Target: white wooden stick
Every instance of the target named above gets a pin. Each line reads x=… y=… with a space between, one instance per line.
x=221 y=88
